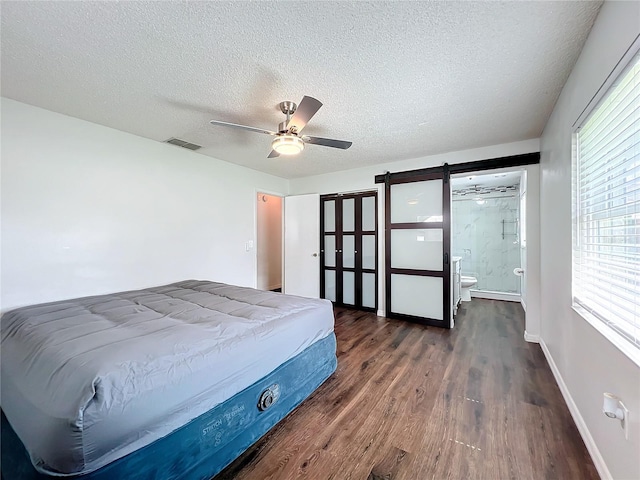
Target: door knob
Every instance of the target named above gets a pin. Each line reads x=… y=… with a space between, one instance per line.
x=315 y=255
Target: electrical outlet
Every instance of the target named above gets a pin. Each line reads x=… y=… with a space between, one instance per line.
x=624 y=423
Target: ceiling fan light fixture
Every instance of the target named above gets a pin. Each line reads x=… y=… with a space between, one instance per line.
x=287 y=144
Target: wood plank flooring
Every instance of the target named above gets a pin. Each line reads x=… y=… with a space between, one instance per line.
x=413 y=402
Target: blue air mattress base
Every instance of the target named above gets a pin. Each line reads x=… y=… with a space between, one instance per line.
x=207 y=444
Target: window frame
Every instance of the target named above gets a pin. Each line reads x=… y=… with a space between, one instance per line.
x=623 y=344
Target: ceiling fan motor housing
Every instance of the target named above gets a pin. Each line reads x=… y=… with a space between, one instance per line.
x=288 y=108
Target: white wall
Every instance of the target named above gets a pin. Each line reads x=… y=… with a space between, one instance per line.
x=523 y=237
x=532 y=264
x=585 y=362
x=269 y=241
x=87 y=210
x=362 y=179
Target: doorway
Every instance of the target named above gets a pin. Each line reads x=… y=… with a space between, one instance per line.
x=269 y=242
x=348 y=253
x=488 y=233
x=529 y=198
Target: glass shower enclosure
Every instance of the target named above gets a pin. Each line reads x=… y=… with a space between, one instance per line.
x=486 y=234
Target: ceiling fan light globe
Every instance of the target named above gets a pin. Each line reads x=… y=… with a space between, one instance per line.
x=288 y=144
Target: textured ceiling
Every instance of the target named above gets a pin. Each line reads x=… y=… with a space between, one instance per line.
x=399 y=79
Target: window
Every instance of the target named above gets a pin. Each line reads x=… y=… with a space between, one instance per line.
x=606 y=200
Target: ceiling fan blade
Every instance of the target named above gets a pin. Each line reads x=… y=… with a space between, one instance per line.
x=327 y=142
x=243 y=127
x=273 y=154
x=307 y=109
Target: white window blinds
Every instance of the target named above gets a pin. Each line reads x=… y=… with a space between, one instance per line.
x=606 y=233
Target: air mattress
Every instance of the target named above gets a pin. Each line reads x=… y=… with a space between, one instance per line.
x=88 y=381
x=207 y=444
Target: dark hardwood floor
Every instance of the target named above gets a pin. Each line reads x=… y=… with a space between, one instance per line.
x=414 y=402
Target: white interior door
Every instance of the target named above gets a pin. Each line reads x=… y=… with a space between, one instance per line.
x=302 y=245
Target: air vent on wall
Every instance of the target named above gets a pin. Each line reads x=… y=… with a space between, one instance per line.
x=183 y=144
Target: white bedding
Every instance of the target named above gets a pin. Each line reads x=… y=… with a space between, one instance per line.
x=87 y=381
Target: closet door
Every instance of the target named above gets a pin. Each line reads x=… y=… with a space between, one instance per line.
x=348 y=254
x=417 y=248
x=329 y=249
x=368 y=257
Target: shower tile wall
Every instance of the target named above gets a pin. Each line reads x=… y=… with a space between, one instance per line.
x=477 y=238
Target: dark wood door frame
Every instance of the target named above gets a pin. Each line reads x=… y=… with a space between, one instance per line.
x=435 y=173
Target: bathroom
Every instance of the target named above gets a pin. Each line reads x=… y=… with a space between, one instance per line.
x=487 y=218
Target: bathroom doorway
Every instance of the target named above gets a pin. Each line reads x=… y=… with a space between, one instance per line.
x=269 y=242
x=488 y=232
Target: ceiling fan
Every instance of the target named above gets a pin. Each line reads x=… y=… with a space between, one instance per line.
x=288 y=140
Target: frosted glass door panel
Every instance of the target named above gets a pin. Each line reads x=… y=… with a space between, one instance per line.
x=330 y=285
x=418 y=296
x=369 y=251
x=368 y=214
x=416 y=202
x=348 y=243
x=369 y=290
x=348 y=215
x=417 y=249
x=329 y=251
x=330 y=216
x=349 y=251
x=349 y=288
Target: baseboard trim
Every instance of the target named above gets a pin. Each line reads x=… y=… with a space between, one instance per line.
x=380 y=313
x=531 y=338
x=598 y=461
x=506 y=297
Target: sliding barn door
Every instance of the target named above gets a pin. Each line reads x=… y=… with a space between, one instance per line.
x=418 y=243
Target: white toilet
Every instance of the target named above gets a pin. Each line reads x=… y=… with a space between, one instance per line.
x=465 y=287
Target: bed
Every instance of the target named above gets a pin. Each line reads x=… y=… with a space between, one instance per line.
x=174 y=381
